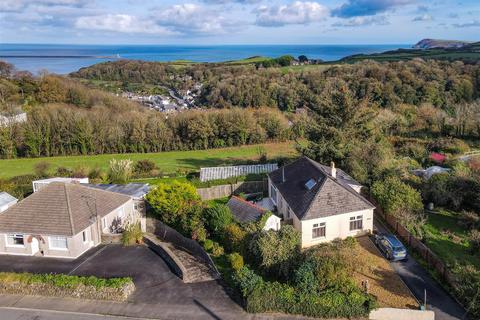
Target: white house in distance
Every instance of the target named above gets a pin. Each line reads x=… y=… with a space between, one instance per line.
x=245 y=211
x=323 y=203
x=6 y=201
x=63 y=220
x=38 y=184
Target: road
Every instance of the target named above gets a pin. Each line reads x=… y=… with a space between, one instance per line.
x=418 y=280
x=26 y=314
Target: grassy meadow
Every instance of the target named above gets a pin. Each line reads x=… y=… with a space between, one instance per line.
x=168 y=162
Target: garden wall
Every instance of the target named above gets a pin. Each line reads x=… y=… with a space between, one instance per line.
x=167 y=234
x=80 y=291
x=226 y=190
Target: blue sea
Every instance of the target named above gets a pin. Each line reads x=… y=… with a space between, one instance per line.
x=64 y=59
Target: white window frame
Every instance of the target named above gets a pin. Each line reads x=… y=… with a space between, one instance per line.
x=319 y=226
x=57 y=238
x=104 y=223
x=84 y=236
x=14 y=235
x=356 y=220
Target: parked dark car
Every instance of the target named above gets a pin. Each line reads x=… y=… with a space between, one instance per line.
x=393 y=249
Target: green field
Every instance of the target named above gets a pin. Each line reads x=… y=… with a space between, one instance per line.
x=168 y=162
x=448 y=239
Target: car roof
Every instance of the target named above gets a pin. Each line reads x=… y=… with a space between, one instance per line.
x=393 y=240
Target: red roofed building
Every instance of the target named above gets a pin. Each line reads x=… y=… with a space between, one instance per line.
x=438 y=157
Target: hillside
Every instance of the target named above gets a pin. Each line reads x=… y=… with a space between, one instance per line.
x=436 y=43
x=469 y=53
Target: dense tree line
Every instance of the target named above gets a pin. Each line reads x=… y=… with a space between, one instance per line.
x=68 y=118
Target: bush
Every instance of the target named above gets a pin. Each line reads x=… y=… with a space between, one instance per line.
x=466 y=288
x=468 y=219
x=171 y=202
x=63 y=172
x=394 y=195
x=217 y=218
x=263 y=296
x=276 y=252
x=120 y=171
x=208 y=245
x=217 y=250
x=145 y=166
x=132 y=235
x=448 y=145
x=474 y=239
x=236 y=261
x=64 y=281
x=41 y=168
x=80 y=172
x=234 y=238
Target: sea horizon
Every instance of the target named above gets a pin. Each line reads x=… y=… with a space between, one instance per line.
x=66 y=58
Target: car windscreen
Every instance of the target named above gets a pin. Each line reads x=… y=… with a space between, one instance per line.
x=397 y=249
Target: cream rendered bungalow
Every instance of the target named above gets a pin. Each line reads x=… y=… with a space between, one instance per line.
x=323 y=203
x=63 y=220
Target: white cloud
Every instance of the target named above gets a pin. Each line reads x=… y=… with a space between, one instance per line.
x=424 y=17
x=469 y=24
x=298 y=12
x=362 y=21
x=123 y=23
x=190 y=18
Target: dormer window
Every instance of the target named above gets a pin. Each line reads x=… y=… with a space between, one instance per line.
x=310 y=184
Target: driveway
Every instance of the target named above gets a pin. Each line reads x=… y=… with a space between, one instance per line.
x=418 y=280
x=157 y=288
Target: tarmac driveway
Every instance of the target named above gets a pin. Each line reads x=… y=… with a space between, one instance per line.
x=418 y=280
x=155 y=283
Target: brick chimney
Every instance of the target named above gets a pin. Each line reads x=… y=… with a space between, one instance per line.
x=334 y=170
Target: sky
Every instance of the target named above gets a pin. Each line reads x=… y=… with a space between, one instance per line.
x=237 y=21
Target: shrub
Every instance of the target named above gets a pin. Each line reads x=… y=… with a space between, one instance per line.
x=394 y=195
x=65 y=281
x=208 y=245
x=448 y=145
x=236 y=261
x=275 y=252
x=120 y=171
x=145 y=166
x=468 y=219
x=97 y=174
x=218 y=217
x=474 y=239
x=63 y=172
x=467 y=284
x=171 y=202
x=234 y=238
x=80 y=172
x=217 y=249
x=41 y=168
x=132 y=235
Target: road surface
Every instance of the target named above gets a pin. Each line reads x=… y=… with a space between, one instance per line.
x=26 y=314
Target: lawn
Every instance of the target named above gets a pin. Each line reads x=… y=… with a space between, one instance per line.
x=167 y=162
x=448 y=239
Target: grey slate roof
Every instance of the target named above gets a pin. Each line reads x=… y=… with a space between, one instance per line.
x=243 y=210
x=330 y=196
x=135 y=190
x=6 y=198
x=62 y=209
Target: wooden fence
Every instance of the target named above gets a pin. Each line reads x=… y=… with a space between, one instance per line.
x=226 y=190
x=433 y=261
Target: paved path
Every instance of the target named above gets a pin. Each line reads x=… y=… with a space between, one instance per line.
x=418 y=279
